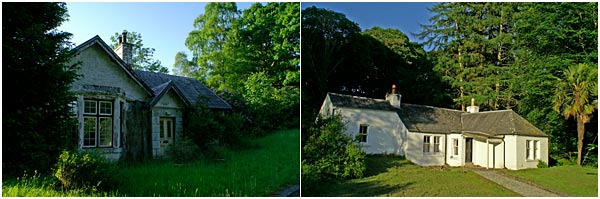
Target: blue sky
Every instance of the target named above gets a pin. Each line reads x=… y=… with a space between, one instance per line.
x=404 y=16
x=163 y=26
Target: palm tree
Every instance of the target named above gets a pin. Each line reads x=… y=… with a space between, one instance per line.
x=576 y=96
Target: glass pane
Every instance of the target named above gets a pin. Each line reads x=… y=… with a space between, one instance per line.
x=89 y=131
x=162 y=129
x=89 y=107
x=105 y=130
x=169 y=129
x=106 y=108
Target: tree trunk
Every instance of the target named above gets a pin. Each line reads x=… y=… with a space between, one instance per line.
x=580 y=133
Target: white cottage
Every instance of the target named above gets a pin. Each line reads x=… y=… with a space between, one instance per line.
x=126 y=112
x=431 y=136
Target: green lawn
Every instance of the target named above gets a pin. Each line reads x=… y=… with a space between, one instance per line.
x=261 y=171
x=574 y=180
x=395 y=176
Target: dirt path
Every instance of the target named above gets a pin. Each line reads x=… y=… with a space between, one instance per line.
x=522 y=188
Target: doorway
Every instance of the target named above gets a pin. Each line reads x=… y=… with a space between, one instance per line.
x=166 y=133
x=468 y=150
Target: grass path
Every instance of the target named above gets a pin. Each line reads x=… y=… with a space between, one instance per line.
x=261 y=171
x=395 y=176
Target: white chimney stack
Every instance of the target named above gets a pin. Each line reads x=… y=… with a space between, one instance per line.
x=124 y=50
x=394 y=98
x=472 y=108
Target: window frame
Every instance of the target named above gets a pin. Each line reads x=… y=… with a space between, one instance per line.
x=436 y=145
x=528 y=155
x=99 y=116
x=363 y=131
x=455 y=146
x=536 y=150
x=426 y=144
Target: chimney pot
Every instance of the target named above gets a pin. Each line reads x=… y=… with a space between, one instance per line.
x=393 y=88
x=124 y=37
x=472 y=108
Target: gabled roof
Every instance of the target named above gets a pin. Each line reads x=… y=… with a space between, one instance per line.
x=429 y=119
x=188 y=88
x=157 y=84
x=504 y=122
x=96 y=40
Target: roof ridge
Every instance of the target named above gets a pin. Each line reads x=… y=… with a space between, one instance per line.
x=158 y=73
x=428 y=106
x=357 y=97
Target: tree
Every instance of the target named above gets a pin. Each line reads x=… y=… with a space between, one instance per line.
x=208 y=42
x=576 y=96
x=184 y=67
x=142 y=57
x=37 y=119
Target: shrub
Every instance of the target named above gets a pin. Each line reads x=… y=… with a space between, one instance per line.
x=183 y=151
x=88 y=171
x=331 y=154
x=542 y=164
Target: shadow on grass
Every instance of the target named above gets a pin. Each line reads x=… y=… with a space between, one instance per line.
x=370 y=189
x=377 y=164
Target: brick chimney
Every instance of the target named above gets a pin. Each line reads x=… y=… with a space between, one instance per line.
x=472 y=108
x=124 y=50
x=394 y=98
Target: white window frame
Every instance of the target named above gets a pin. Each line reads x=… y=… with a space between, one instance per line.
x=455 y=146
x=363 y=131
x=436 y=145
x=528 y=150
x=99 y=116
x=536 y=150
x=426 y=144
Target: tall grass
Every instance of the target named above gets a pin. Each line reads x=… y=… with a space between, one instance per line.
x=260 y=171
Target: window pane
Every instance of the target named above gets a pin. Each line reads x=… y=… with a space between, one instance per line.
x=162 y=128
x=89 y=131
x=527 y=149
x=106 y=108
x=89 y=107
x=436 y=144
x=169 y=129
x=426 y=141
x=455 y=146
x=105 y=130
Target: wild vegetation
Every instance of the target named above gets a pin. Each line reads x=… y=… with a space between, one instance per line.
x=505 y=55
x=271 y=163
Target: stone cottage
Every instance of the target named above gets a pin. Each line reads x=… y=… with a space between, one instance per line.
x=127 y=113
x=430 y=136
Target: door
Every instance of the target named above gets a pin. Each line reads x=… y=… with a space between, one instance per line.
x=468 y=150
x=166 y=133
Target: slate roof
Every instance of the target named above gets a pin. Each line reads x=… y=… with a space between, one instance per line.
x=505 y=122
x=429 y=119
x=188 y=88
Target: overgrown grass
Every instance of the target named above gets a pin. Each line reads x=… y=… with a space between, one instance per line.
x=261 y=171
x=395 y=176
x=570 y=179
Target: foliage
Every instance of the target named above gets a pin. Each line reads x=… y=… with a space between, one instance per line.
x=574 y=180
x=206 y=126
x=253 y=52
x=36 y=63
x=142 y=56
x=542 y=164
x=394 y=176
x=329 y=154
x=576 y=96
x=183 y=151
x=88 y=171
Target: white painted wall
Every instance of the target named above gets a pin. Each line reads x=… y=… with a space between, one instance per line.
x=414 y=150
x=384 y=132
x=522 y=162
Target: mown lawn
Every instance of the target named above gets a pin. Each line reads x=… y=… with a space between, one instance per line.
x=262 y=171
x=574 y=180
x=395 y=176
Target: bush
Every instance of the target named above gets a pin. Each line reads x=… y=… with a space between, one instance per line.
x=542 y=164
x=88 y=171
x=183 y=151
x=331 y=154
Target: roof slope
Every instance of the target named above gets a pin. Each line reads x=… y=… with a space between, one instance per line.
x=416 y=118
x=504 y=122
x=189 y=88
x=429 y=119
